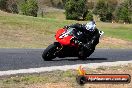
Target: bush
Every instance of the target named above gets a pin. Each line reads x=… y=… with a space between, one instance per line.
x=3 y=5
x=89 y=16
x=13 y=7
x=105 y=9
x=29 y=7
x=123 y=12
x=9 y=6
x=75 y=9
x=109 y=16
x=100 y=9
x=91 y=5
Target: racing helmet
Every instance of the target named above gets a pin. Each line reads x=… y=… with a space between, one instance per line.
x=90 y=26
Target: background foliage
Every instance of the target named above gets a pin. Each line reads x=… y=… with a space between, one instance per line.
x=29 y=7
x=76 y=9
x=106 y=10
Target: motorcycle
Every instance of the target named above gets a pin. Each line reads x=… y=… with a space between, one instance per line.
x=69 y=44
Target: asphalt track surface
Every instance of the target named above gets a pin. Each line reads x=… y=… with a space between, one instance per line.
x=14 y=59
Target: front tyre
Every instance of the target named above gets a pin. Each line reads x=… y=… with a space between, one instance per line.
x=50 y=52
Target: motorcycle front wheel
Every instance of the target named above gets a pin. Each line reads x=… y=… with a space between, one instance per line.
x=49 y=52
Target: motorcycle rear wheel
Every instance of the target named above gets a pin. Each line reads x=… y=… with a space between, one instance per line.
x=84 y=54
x=49 y=52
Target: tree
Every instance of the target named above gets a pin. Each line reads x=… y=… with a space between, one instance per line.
x=89 y=16
x=3 y=5
x=111 y=4
x=29 y=7
x=129 y=2
x=101 y=10
x=76 y=9
x=9 y=6
x=123 y=12
x=12 y=6
x=91 y=4
x=105 y=9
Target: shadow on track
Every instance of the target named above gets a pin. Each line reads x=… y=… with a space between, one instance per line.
x=77 y=59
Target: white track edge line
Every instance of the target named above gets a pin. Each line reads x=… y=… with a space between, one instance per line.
x=63 y=68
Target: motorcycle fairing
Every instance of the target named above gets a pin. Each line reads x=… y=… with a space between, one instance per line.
x=62 y=37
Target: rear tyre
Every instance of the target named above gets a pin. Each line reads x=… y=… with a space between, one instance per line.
x=49 y=52
x=84 y=54
x=90 y=52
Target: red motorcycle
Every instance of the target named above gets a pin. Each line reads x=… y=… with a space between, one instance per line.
x=69 y=45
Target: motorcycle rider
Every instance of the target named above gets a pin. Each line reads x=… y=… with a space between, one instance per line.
x=90 y=32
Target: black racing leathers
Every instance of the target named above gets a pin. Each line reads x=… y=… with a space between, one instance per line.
x=92 y=38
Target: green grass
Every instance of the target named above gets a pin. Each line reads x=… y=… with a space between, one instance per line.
x=54 y=15
x=21 y=81
x=69 y=77
x=121 y=31
x=18 y=31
